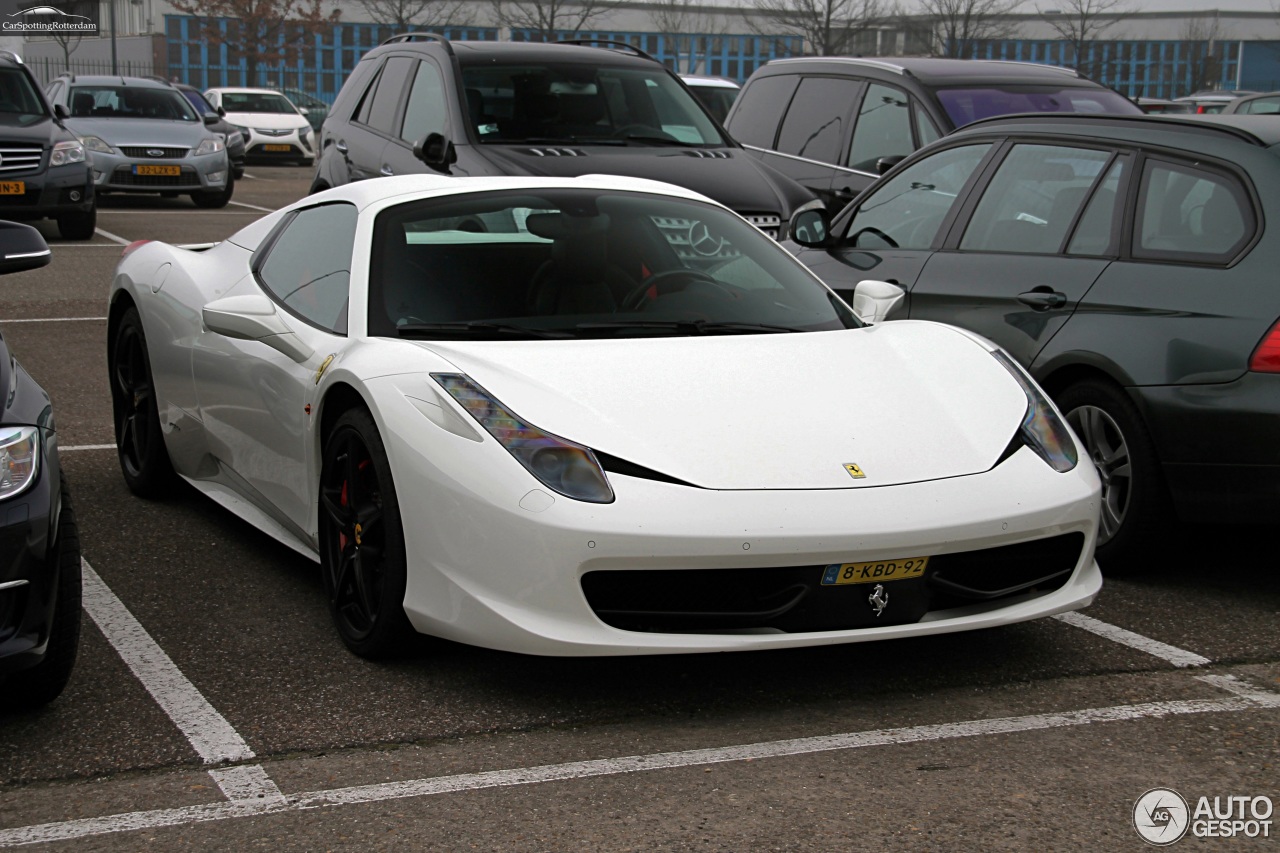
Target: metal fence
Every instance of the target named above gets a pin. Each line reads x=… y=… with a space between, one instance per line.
x=46 y=68
x=323 y=60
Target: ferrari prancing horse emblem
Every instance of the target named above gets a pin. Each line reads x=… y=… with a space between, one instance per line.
x=878 y=598
x=854 y=471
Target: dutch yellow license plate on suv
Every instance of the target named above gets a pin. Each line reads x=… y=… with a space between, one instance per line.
x=166 y=171
x=13 y=187
x=875 y=571
x=277 y=147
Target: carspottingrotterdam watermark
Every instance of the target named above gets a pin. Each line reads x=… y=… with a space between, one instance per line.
x=1162 y=816
x=73 y=17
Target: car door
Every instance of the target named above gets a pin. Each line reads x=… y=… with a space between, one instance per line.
x=891 y=233
x=426 y=111
x=889 y=124
x=376 y=120
x=255 y=400
x=1005 y=271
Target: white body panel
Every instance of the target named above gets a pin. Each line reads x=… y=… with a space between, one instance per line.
x=760 y=425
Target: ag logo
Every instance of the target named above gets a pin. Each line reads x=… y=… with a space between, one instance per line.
x=1161 y=816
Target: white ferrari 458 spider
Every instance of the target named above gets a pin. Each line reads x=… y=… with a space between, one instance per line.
x=598 y=416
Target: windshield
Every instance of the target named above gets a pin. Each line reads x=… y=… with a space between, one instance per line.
x=17 y=95
x=197 y=100
x=586 y=104
x=129 y=102
x=585 y=263
x=967 y=105
x=256 y=102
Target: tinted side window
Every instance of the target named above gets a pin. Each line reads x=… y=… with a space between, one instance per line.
x=426 y=111
x=1033 y=199
x=883 y=128
x=382 y=111
x=1096 y=234
x=906 y=211
x=762 y=104
x=926 y=130
x=814 y=126
x=1189 y=213
x=1265 y=106
x=308 y=267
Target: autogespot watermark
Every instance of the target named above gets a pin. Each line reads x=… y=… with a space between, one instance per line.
x=1162 y=816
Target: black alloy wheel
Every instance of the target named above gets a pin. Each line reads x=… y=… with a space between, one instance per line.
x=362 y=551
x=144 y=460
x=1135 y=503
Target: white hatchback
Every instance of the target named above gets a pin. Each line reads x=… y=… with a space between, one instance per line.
x=273 y=127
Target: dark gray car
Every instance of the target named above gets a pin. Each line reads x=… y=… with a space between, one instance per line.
x=1125 y=261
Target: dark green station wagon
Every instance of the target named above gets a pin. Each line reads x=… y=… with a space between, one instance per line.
x=1127 y=262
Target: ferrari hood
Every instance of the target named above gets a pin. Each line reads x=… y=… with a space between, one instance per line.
x=730 y=176
x=903 y=401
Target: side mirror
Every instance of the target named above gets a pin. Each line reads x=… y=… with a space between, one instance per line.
x=22 y=248
x=884 y=164
x=436 y=151
x=60 y=111
x=211 y=119
x=810 y=228
x=874 y=300
x=222 y=112
x=254 y=318
x=303 y=111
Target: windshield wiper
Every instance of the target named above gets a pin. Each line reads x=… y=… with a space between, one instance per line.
x=557 y=140
x=428 y=330
x=659 y=140
x=689 y=327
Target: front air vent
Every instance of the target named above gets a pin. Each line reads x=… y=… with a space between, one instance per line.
x=556 y=152
x=709 y=155
x=769 y=223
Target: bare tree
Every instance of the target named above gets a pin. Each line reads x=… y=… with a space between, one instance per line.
x=69 y=40
x=264 y=32
x=548 y=18
x=829 y=27
x=955 y=26
x=407 y=15
x=1204 y=69
x=682 y=21
x=1080 y=23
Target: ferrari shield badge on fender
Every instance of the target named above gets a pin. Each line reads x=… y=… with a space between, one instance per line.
x=854 y=471
x=324 y=365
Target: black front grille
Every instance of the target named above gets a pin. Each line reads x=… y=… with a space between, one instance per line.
x=123 y=176
x=17 y=158
x=154 y=151
x=793 y=599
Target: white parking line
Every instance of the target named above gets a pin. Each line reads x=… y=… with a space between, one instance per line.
x=252 y=206
x=74 y=447
x=54 y=320
x=254 y=805
x=1174 y=655
x=209 y=733
x=247 y=784
x=114 y=237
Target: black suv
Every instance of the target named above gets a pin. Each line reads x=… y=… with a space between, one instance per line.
x=835 y=123
x=43 y=168
x=419 y=102
x=40 y=583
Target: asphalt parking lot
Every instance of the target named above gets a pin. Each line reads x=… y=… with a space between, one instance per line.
x=213 y=705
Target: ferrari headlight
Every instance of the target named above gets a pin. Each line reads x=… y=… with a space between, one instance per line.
x=562 y=466
x=19 y=457
x=66 y=152
x=1042 y=429
x=211 y=145
x=94 y=143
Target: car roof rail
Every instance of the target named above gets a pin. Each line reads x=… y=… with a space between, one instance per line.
x=1061 y=69
x=608 y=43
x=852 y=60
x=405 y=38
x=11 y=56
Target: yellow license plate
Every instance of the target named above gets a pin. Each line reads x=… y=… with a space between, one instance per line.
x=12 y=187
x=169 y=171
x=277 y=148
x=875 y=571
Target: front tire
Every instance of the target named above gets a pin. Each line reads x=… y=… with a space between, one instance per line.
x=213 y=199
x=44 y=682
x=1135 y=500
x=78 y=224
x=362 y=550
x=144 y=460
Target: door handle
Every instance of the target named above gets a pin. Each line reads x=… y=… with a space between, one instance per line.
x=1042 y=298
x=386 y=171
x=341 y=146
